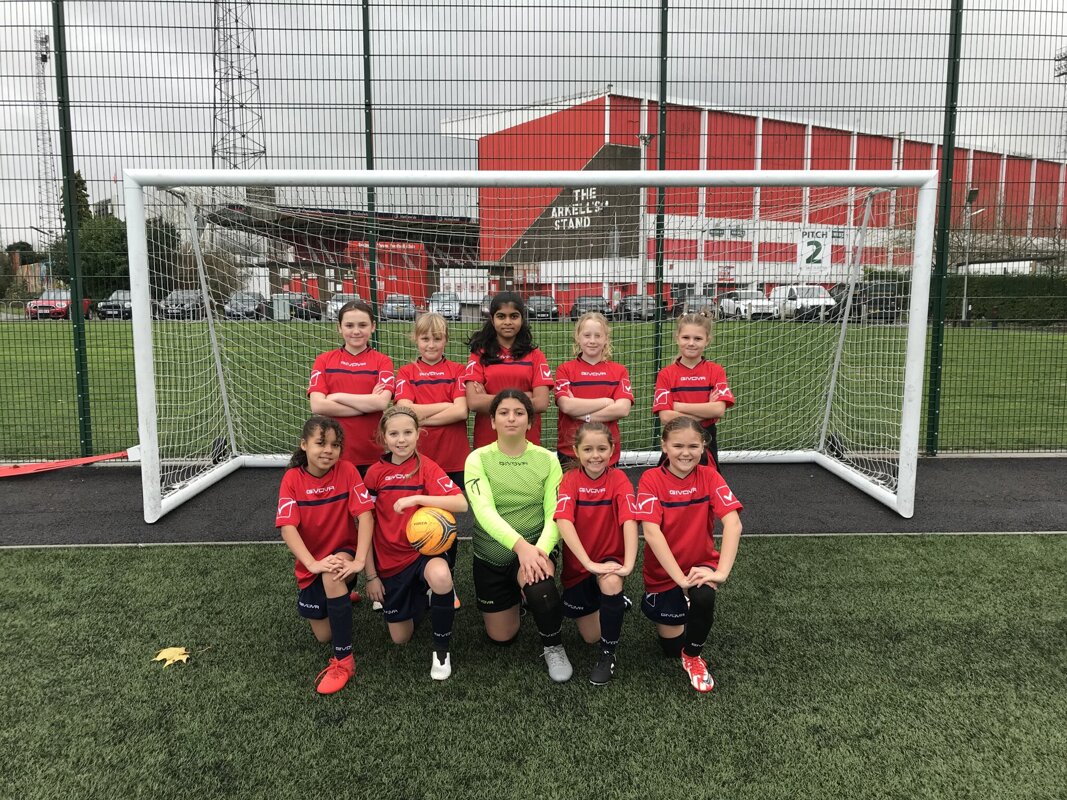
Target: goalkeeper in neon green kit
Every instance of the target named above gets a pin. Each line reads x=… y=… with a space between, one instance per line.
x=511 y=485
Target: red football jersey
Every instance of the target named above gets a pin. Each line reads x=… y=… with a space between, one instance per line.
x=597 y=508
x=323 y=510
x=423 y=384
x=389 y=482
x=685 y=510
x=578 y=378
x=340 y=371
x=700 y=384
x=528 y=372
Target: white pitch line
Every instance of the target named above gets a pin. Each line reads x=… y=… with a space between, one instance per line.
x=912 y=534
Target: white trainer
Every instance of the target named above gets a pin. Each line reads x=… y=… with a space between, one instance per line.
x=559 y=666
x=440 y=670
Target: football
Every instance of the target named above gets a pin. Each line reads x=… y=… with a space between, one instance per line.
x=431 y=531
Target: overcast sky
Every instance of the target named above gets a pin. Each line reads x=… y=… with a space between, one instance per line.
x=142 y=75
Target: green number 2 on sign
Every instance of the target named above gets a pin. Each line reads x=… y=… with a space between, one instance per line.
x=815 y=256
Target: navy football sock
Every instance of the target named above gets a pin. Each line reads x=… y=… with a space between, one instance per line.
x=701 y=615
x=442 y=616
x=612 y=607
x=544 y=602
x=339 y=612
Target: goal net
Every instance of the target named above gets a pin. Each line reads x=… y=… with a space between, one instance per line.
x=816 y=282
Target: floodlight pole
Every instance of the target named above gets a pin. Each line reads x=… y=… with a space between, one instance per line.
x=968 y=208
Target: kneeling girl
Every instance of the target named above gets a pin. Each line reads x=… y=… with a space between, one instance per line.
x=677 y=504
x=511 y=484
x=596 y=521
x=398 y=576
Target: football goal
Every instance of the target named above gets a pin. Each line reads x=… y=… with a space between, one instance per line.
x=816 y=284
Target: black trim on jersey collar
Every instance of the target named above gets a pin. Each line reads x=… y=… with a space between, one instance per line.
x=327 y=472
x=666 y=468
x=581 y=358
x=678 y=361
x=355 y=355
x=603 y=474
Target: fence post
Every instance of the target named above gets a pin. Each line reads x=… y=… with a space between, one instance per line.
x=70 y=213
x=368 y=124
x=661 y=207
x=944 y=221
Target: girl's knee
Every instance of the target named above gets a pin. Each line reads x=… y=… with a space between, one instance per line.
x=610 y=584
x=438 y=576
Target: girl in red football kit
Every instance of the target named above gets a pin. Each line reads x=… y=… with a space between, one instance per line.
x=503 y=356
x=594 y=513
x=353 y=384
x=432 y=387
x=591 y=387
x=319 y=501
x=692 y=386
x=398 y=576
x=677 y=504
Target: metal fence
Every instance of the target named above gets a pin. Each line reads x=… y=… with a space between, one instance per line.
x=977 y=90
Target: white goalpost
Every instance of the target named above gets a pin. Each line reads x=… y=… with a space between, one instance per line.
x=818 y=282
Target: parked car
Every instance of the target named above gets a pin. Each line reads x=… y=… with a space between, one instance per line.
x=700 y=304
x=55 y=304
x=542 y=306
x=334 y=304
x=182 y=304
x=446 y=304
x=635 y=306
x=484 y=307
x=301 y=305
x=118 y=305
x=803 y=302
x=589 y=302
x=246 y=305
x=878 y=301
x=746 y=304
x=683 y=302
x=398 y=306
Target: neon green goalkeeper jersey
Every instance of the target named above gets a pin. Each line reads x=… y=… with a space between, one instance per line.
x=512 y=498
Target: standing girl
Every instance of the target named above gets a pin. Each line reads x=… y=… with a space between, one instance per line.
x=353 y=384
x=432 y=387
x=512 y=487
x=319 y=499
x=692 y=386
x=677 y=505
x=591 y=387
x=595 y=518
x=504 y=356
x=401 y=481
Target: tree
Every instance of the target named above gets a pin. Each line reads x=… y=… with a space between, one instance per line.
x=27 y=255
x=164 y=244
x=104 y=256
x=81 y=199
x=7 y=275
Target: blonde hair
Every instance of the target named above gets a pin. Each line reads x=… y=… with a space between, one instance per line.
x=701 y=320
x=595 y=316
x=432 y=323
x=391 y=413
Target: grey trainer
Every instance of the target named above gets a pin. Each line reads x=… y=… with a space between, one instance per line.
x=559 y=666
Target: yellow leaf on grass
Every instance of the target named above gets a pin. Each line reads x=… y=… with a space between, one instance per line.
x=171 y=654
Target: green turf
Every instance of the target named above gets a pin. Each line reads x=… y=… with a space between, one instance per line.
x=1002 y=390
x=847 y=668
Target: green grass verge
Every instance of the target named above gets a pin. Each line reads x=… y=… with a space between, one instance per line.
x=1002 y=390
x=850 y=667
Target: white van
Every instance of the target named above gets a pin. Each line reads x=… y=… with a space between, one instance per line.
x=802 y=301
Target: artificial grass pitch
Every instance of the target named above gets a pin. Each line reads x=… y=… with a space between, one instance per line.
x=845 y=667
